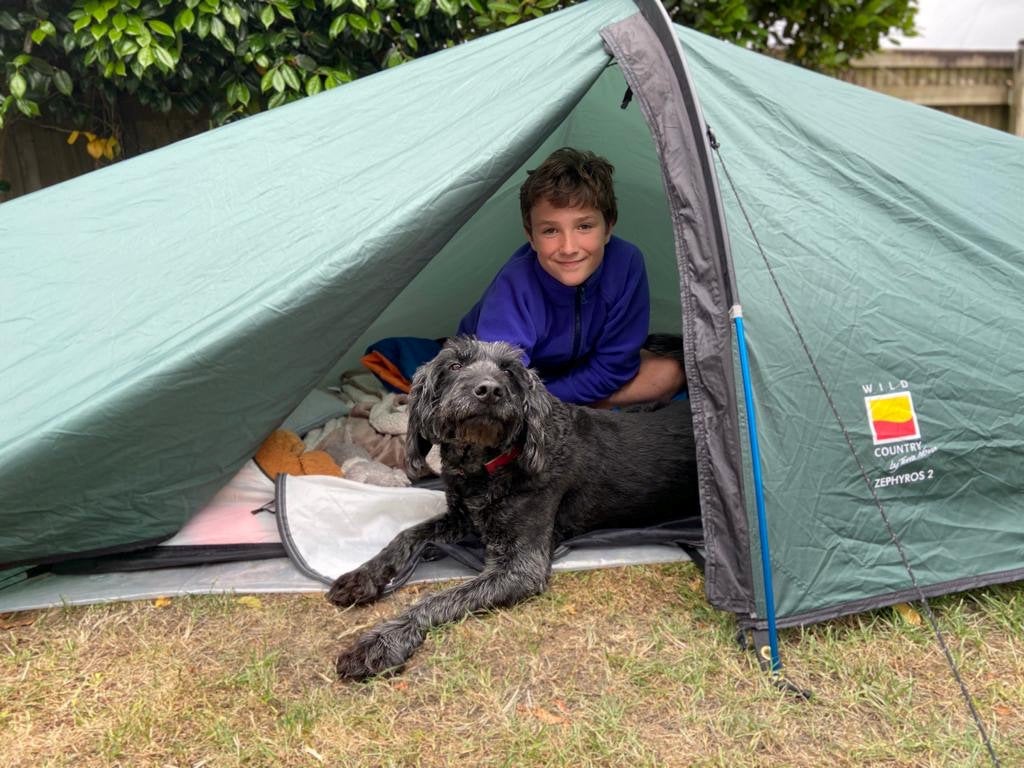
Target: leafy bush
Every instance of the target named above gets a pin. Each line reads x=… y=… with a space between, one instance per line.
x=75 y=61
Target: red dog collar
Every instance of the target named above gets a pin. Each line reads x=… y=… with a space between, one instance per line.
x=498 y=462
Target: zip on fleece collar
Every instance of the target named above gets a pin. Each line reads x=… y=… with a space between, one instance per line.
x=577 y=322
x=559 y=293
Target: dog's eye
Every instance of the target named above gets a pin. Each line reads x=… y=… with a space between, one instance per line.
x=454 y=366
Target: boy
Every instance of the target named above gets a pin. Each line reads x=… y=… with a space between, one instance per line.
x=575 y=297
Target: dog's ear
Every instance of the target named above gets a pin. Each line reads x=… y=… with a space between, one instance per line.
x=536 y=411
x=422 y=431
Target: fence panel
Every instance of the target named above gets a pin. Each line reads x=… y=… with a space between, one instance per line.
x=33 y=156
x=982 y=86
x=985 y=87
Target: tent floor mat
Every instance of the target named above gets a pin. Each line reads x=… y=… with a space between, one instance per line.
x=272 y=576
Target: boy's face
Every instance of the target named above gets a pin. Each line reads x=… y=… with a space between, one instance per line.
x=569 y=241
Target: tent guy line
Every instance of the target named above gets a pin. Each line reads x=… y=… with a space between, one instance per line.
x=921 y=596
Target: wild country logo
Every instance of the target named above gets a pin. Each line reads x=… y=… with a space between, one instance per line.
x=896 y=432
x=892 y=418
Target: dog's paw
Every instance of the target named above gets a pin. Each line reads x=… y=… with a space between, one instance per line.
x=378 y=652
x=353 y=588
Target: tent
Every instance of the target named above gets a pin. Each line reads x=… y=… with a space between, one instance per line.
x=159 y=317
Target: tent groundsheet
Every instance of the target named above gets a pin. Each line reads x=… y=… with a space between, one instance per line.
x=326 y=526
x=278 y=575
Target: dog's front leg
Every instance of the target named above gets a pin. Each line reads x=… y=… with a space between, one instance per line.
x=513 y=574
x=388 y=646
x=366 y=583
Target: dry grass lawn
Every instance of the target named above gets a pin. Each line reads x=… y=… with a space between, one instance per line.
x=622 y=667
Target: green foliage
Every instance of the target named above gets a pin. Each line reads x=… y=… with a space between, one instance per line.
x=72 y=61
x=819 y=34
x=221 y=58
x=23 y=75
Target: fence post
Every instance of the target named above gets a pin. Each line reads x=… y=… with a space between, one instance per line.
x=1017 y=92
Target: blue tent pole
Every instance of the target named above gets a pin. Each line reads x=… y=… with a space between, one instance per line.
x=755 y=459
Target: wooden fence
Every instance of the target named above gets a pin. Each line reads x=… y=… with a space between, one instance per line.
x=33 y=156
x=986 y=87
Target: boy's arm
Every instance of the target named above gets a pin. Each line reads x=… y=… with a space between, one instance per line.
x=616 y=358
x=504 y=315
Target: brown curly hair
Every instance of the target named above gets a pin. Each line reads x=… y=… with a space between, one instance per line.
x=571 y=178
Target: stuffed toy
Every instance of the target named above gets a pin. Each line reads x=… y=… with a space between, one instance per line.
x=284 y=453
x=356 y=463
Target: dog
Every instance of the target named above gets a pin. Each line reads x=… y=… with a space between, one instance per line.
x=523 y=471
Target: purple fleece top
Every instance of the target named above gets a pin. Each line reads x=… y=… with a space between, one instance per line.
x=585 y=340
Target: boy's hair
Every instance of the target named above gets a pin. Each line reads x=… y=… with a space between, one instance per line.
x=571 y=178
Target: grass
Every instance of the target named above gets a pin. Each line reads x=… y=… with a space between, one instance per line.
x=621 y=667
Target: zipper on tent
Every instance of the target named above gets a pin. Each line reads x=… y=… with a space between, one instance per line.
x=688 y=134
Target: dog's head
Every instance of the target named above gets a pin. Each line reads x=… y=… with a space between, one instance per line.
x=480 y=393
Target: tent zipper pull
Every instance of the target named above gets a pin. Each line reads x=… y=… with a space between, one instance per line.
x=712 y=139
x=626 y=98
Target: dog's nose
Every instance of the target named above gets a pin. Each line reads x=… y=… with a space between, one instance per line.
x=489 y=391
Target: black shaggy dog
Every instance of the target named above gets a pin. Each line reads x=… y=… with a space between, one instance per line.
x=523 y=471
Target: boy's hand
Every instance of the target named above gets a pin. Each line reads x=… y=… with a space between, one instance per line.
x=658 y=380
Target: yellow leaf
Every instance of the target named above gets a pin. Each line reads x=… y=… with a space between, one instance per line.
x=909 y=614
x=73 y=137
x=95 y=148
x=250 y=601
x=90 y=136
x=549 y=718
x=110 y=149
x=546 y=717
x=12 y=620
x=161 y=602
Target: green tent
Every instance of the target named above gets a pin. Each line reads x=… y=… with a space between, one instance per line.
x=159 y=317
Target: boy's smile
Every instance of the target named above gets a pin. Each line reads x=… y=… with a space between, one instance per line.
x=569 y=241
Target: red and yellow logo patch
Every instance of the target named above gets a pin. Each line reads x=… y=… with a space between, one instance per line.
x=892 y=418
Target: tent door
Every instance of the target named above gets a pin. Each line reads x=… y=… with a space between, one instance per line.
x=652 y=64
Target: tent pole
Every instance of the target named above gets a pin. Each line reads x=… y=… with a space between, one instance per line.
x=736 y=312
